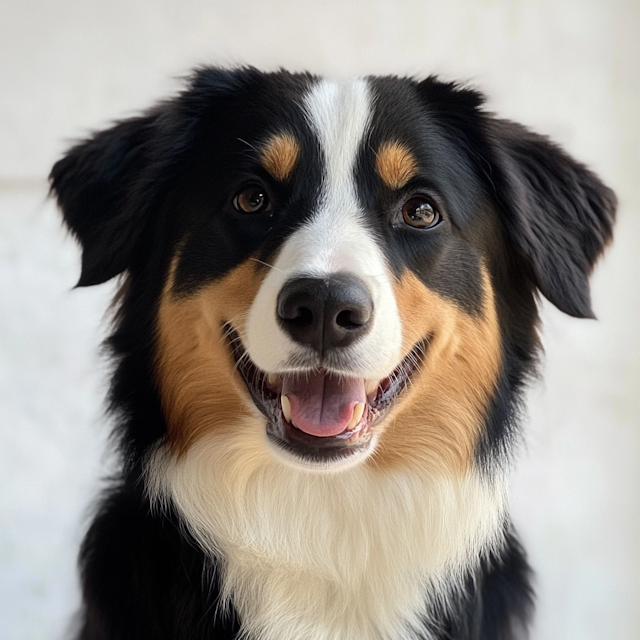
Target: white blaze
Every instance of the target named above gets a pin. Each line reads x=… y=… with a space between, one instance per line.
x=335 y=239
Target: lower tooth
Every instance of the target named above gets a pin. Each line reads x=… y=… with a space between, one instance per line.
x=358 y=412
x=286 y=408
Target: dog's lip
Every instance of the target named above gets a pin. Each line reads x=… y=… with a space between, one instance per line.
x=265 y=390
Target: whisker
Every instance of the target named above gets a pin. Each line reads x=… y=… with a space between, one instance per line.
x=248 y=144
x=266 y=264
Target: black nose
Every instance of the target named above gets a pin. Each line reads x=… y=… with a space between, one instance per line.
x=325 y=313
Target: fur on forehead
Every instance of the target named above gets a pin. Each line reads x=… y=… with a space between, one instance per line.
x=112 y=187
x=395 y=164
x=279 y=155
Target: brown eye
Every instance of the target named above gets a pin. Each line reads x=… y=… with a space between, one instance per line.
x=251 y=199
x=420 y=213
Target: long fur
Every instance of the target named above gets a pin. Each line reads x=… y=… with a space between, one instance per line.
x=223 y=522
x=321 y=556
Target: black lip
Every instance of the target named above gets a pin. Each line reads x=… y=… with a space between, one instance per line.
x=315 y=449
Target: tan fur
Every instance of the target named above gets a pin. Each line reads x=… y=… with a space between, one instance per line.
x=395 y=164
x=439 y=420
x=279 y=155
x=329 y=556
x=199 y=388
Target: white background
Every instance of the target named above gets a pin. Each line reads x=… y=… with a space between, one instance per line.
x=567 y=68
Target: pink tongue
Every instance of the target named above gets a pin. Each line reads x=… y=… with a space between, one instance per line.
x=322 y=405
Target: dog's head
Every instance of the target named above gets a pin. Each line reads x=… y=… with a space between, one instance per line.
x=347 y=270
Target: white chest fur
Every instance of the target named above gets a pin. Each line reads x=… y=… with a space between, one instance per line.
x=344 y=556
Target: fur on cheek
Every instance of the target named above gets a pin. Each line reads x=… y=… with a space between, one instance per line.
x=316 y=553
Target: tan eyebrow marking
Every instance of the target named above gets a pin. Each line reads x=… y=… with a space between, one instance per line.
x=395 y=164
x=279 y=155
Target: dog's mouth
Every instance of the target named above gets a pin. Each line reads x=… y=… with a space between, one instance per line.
x=322 y=417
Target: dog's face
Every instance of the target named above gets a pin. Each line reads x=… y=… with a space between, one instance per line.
x=357 y=239
x=348 y=270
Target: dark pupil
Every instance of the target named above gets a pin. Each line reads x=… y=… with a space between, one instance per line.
x=422 y=213
x=254 y=200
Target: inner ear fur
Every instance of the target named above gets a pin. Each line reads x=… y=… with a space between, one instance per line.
x=558 y=214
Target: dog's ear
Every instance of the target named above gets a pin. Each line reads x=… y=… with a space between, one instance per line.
x=558 y=214
x=102 y=185
x=108 y=185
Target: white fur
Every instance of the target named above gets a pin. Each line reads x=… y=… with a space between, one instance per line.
x=335 y=239
x=355 y=555
x=352 y=555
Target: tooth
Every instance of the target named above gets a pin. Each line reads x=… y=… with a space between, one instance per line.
x=286 y=408
x=358 y=411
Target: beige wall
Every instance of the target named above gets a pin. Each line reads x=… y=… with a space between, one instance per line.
x=568 y=68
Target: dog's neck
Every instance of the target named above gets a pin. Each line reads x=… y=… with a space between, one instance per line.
x=357 y=554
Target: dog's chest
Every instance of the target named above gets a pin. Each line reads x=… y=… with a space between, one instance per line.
x=329 y=557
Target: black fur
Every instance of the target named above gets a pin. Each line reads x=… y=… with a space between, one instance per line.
x=131 y=194
x=145 y=578
x=498 y=600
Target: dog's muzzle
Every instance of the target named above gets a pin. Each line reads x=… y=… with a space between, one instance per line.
x=316 y=412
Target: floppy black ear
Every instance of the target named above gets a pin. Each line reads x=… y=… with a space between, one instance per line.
x=101 y=186
x=108 y=185
x=558 y=214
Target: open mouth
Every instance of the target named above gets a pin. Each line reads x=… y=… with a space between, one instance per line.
x=322 y=417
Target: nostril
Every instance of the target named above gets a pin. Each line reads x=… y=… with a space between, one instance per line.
x=347 y=320
x=303 y=317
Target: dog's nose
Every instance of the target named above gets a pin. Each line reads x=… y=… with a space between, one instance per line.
x=325 y=313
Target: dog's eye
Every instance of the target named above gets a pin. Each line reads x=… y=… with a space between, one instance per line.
x=420 y=213
x=251 y=199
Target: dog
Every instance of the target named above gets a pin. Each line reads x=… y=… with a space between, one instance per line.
x=326 y=319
